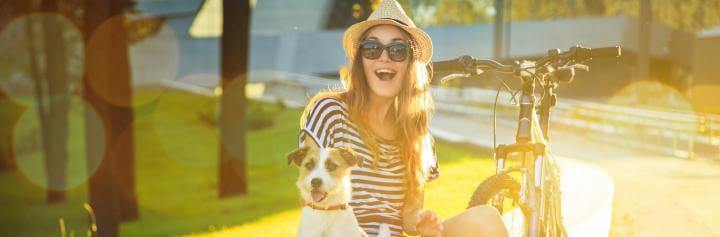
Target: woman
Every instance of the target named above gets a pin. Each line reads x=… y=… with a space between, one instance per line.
x=383 y=114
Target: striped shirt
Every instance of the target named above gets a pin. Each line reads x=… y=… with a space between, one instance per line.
x=377 y=194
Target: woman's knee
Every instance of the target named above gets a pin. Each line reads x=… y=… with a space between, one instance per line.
x=487 y=219
x=481 y=220
x=483 y=213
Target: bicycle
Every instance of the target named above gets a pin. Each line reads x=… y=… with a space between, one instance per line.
x=531 y=206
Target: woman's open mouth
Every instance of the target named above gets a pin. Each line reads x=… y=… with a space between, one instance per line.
x=318 y=196
x=385 y=74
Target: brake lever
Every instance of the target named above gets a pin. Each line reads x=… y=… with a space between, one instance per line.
x=581 y=67
x=468 y=69
x=453 y=76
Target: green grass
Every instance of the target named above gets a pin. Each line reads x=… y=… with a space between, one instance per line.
x=461 y=171
x=176 y=174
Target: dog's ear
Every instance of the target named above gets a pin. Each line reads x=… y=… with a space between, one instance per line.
x=350 y=157
x=297 y=156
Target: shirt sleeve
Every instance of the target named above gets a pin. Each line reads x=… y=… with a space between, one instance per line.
x=322 y=122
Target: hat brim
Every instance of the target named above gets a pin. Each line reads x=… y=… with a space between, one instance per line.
x=421 y=44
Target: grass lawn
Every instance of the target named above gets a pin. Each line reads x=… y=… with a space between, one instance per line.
x=176 y=174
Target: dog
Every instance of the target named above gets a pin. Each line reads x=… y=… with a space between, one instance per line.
x=324 y=184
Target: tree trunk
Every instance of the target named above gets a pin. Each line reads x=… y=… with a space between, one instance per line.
x=234 y=45
x=121 y=131
x=102 y=184
x=498 y=29
x=55 y=111
x=40 y=85
x=9 y=116
x=645 y=25
x=107 y=89
x=11 y=111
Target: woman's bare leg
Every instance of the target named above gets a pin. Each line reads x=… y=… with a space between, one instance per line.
x=478 y=221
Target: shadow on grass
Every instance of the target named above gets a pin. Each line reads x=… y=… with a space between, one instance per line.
x=462 y=169
x=176 y=175
x=183 y=199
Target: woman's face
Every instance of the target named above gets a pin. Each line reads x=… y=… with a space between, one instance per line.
x=385 y=76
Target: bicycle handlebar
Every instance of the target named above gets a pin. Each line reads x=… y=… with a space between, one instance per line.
x=581 y=54
x=467 y=65
x=607 y=52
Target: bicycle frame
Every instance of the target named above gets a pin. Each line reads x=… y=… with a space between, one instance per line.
x=540 y=182
x=530 y=138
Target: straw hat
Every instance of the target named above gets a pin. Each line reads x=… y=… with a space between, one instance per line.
x=391 y=13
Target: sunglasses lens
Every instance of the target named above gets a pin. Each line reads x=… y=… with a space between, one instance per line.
x=371 y=50
x=397 y=52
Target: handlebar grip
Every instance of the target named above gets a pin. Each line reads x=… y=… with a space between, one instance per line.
x=452 y=65
x=607 y=52
x=444 y=69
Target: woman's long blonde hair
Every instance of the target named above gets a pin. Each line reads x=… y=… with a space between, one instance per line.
x=410 y=114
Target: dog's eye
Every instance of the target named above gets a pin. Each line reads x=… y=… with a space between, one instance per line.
x=309 y=165
x=330 y=166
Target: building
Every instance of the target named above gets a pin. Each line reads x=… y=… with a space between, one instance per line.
x=292 y=36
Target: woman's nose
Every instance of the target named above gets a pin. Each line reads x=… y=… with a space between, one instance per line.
x=384 y=56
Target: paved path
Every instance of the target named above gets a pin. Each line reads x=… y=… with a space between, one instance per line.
x=652 y=195
x=586 y=208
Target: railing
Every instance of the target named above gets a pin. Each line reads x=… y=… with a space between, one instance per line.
x=671 y=132
x=677 y=133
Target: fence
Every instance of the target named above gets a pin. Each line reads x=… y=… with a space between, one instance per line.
x=677 y=133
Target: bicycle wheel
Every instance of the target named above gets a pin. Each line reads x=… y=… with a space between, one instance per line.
x=552 y=224
x=503 y=192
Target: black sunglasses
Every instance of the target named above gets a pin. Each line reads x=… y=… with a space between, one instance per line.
x=372 y=49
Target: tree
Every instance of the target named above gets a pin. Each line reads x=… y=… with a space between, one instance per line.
x=47 y=69
x=53 y=112
x=345 y=13
x=689 y=15
x=234 y=67
x=11 y=111
x=107 y=89
x=9 y=116
x=644 y=24
x=437 y=12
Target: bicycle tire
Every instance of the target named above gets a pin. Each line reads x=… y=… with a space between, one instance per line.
x=554 y=225
x=493 y=185
x=505 y=186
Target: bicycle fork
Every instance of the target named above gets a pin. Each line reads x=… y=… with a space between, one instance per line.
x=531 y=187
x=535 y=195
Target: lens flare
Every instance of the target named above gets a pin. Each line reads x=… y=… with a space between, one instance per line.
x=25 y=35
x=645 y=115
x=153 y=58
x=652 y=94
x=188 y=134
x=705 y=98
x=28 y=145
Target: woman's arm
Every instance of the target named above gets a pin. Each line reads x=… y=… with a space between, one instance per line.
x=411 y=211
x=417 y=221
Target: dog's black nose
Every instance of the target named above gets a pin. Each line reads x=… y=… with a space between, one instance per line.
x=316 y=182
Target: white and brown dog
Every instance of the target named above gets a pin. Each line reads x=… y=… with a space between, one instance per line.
x=324 y=184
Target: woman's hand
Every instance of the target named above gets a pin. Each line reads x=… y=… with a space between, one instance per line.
x=428 y=224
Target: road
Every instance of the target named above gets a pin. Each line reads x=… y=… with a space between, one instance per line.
x=654 y=195
x=651 y=194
